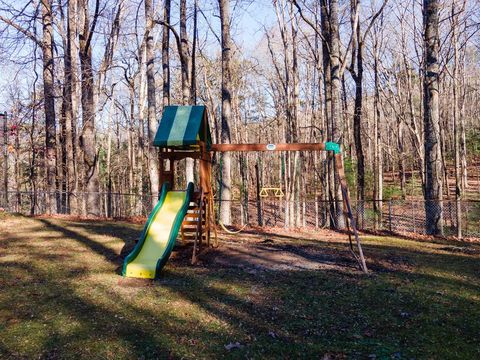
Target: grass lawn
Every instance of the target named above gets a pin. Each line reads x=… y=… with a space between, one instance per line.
x=61 y=296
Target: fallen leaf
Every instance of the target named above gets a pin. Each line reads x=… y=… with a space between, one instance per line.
x=272 y=334
x=232 y=346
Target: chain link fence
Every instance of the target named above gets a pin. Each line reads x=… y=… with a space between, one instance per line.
x=112 y=205
x=396 y=216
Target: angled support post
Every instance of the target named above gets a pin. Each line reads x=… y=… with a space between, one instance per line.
x=348 y=211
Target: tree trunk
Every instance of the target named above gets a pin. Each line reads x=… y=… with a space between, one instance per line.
x=377 y=143
x=71 y=71
x=433 y=165
x=193 y=82
x=456 y=127
x=166 y=55
x=88 y=140
x=49 y=105
x=226 y=185
x=357 y=121
x=335 y=105
x=327 y=81
x=5 y=158
x=151 y=114
x=185 y=65
x=62 y=169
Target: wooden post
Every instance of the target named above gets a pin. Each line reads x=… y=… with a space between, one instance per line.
x=303 y=214
x=167 y=175
x=348 y=210
x=161 y=167
x=390 y=214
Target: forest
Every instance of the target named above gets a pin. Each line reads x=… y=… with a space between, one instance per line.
x=396 y=83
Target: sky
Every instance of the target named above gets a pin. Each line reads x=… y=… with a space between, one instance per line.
x=249 y=18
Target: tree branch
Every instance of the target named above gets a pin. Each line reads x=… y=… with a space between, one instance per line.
x=312 y=25
x=94 y=24
x=177 y=37
x=377 y=14
x=25 y=32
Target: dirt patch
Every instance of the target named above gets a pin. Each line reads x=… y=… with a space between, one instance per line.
x=273 y=251
x=134 y=283
x=275 y=257
x=461 y=250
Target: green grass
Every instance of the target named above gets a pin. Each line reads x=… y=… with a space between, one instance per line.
x=61 y=297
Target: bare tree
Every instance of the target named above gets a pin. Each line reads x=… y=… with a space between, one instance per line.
x=356 y=69
x=49 y=104
x=165 y=54
x=152 y=117
x=87 y=137
x=226 y=185
x=186 y=81
x=433 y=165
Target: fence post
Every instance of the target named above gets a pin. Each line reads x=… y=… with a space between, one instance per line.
x=413 y=217
x=466 y=218
x=277 y=204
x=390 y=215
x=303 y=214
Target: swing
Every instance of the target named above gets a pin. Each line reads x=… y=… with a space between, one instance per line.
x=277 y=191
x=230 y=231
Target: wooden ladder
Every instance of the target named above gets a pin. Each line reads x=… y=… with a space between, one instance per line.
x=190 y=222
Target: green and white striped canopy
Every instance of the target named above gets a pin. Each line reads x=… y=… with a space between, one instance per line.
x=182 y=127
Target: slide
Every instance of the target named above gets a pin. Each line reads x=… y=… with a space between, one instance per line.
x=159 y=235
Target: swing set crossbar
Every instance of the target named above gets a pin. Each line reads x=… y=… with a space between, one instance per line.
x=268 y=147
x=328 y=146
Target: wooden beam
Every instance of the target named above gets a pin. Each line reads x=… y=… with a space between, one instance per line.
x=268 y=147
x=178 y=155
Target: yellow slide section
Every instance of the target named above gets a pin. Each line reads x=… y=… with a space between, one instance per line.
x=159 y=236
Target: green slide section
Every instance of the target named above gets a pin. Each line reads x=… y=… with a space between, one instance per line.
x=159 y=235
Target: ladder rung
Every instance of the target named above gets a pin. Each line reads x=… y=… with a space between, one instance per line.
x=192 y=236
x=191 y=223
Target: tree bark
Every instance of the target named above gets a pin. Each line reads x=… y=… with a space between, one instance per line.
x=226 y=185
x=88 y=140
x=456 y=127
x=377 y=142
x=327 y=88
x=193 y=81
x=71 y=70
x=151 y=100
x=335 y=133
x=357 y=74
x=166 y=54
x=49 y=106
x=186 y=86
x=433 y=164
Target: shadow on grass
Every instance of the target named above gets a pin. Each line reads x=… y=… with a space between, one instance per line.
x=338 y=257
x=194 y=312
x=94 y=322
x=96 y=246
